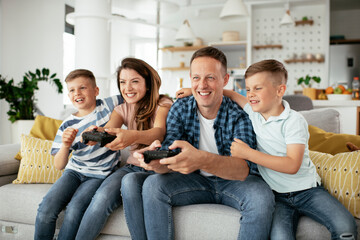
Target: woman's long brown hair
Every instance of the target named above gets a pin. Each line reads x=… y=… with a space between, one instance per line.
x=147 y=106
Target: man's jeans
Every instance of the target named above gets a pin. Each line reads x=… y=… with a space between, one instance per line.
x=106 y=199
x=317 y=204
x=73 y=191
x=252 y=197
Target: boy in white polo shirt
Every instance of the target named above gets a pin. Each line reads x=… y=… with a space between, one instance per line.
x=282 y=156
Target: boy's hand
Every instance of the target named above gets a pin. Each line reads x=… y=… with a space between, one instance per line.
x=239 y=149
x=154 y=165
x=123 y=138
x=184 y=92
x=69 y=136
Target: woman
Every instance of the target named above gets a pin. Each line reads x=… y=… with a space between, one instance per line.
x=144 y=114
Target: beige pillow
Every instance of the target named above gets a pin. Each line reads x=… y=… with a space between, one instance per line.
x=37 y=164
x=340 y=175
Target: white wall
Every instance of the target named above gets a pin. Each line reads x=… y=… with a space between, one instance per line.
x=32 y=37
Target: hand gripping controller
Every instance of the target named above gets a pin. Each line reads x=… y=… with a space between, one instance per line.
x=157 y=154
x=102 y=137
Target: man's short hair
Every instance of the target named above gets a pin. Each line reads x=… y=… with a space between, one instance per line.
x=81 y=73
x=270 y=65
x=212 y=53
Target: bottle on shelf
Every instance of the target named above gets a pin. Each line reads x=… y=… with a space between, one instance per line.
x=355 y=88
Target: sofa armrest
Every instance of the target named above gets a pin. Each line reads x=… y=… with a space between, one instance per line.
x=8 y=164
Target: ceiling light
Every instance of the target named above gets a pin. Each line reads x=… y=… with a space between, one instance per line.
x=287 y=19
x=233 y=9
x=185 y=33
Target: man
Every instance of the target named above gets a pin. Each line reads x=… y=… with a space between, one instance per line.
x=202 y=127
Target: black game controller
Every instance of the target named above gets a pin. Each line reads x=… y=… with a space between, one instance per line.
x=102 y=137
x=158 y=154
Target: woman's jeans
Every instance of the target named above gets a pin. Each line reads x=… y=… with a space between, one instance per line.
x=317 y=204
x=252 y=197
x=106 y=200
x=73 y=191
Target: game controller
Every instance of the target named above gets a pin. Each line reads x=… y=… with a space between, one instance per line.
x=102 y=137
x=158 y=154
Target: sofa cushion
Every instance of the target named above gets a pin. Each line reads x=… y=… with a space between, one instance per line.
x=325 y=118
x=37 y=164
x=43 y=128
x=328 y=142
x=340 y=175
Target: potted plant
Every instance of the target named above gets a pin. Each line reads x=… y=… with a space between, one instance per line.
x=21 y=97
x=306 y=83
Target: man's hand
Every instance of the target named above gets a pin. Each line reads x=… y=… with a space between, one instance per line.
x=69 y=136
x=123 y=139
x=154 y=165
x=239 y=149
x=187 y=161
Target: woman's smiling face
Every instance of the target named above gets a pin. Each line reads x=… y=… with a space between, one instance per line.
x=132 y=85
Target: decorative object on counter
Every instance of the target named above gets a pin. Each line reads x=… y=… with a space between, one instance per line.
x=306 y=83
x=230 y=36
x=185 y=32
x=233 y=9
x=355 y=88
x=319 y=56
x=287 y=19
x=21 y=98
x=339 y=93
x=322 y=95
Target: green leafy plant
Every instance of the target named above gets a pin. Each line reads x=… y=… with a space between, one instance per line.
x=21 y=97
x=307 y=81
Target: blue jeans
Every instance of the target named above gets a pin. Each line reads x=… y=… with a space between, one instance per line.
x=317 y=204
x=73 y=191
x=131 y=191
x=106 y=200
x=252 y=197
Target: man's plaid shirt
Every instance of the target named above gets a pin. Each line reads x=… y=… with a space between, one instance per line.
x=231 y=122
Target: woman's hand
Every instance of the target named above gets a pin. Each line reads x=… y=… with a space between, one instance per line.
x=123 y=138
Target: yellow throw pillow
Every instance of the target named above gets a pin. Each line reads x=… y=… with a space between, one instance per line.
x=340 y=175
x=327 y=142
x=43 y=128
x=37 y=163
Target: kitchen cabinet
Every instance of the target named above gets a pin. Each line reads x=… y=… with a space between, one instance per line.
x=235 y=52
x=349 y=114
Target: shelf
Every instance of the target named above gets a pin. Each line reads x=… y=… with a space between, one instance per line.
x=179 y=49
x=304 y=22
x=304 y=60
x=345 y=41
x=229 y=46
x=257 y=47
x=175 y=69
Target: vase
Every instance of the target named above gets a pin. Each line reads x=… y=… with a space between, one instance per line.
x=310 y=92
x=20 y=127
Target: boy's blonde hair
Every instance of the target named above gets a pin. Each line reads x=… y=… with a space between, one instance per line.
x=81 y=73
x=275 y=67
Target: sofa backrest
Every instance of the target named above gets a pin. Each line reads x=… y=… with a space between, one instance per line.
x=327 y=119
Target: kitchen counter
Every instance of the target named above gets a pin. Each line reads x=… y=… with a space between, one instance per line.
x=349 y=113
x=334 y=103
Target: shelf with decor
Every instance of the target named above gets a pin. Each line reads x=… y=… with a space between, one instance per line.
x=257 y=47
x=180 y=49
x=304 y=22
x=304 y=60
x=175 y=68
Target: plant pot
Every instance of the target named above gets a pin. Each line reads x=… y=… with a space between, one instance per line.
x=20 y=127
x=310 y=92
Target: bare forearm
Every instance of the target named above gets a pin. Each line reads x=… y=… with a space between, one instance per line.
x=224 y=166
x=148 y=136
x=61 y=158
x=281 y=164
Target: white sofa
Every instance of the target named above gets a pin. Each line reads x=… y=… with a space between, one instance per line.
x=19 y=203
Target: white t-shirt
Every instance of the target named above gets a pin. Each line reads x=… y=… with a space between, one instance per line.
x=272 y=136
x=207 y=138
